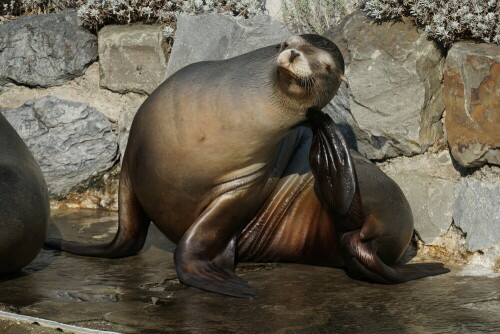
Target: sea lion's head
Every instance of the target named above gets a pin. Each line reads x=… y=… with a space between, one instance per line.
x=310 y=69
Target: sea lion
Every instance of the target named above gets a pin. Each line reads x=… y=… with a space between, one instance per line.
x=24 y=202
x=217 y=159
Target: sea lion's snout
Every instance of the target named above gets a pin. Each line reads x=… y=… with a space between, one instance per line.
x=293 y=54
x=310 y=69
x=295 y=62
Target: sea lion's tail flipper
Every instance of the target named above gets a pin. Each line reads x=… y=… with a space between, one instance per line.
x=362 y=262
x=205 y=256
x=132 y=229
x=336 y=179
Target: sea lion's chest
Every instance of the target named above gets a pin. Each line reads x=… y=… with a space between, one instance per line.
x=189 y=170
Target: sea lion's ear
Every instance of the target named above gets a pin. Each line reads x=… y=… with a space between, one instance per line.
x=343 y=78
x=332 y=164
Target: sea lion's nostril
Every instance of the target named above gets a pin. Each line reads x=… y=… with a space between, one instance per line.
x=293 y=54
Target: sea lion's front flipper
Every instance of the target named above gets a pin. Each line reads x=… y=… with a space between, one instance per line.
x=205 y=256
x=332 y=166
x=336 y=179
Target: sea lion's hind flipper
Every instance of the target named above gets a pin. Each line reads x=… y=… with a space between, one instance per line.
x=205 y=256
x=363 y=263
x=336 y=179
x=132 y=229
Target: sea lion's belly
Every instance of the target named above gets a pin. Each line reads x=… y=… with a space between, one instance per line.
x=174 y=189
x=183 y=168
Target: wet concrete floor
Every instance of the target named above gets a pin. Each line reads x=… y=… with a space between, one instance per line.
x=141 y=294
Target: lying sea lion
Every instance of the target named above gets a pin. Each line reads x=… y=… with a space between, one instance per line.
x=24 y=202
x=217 y=159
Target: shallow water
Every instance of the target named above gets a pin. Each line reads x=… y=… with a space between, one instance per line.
x=141 y=294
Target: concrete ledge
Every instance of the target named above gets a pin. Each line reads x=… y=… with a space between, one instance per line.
x=16 y=323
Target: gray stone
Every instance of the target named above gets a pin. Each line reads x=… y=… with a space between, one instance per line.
x=438 y=165
x=274 y=10
x=132 y=58
x=477 y=212
x=472 y=99
x=84 y=89
x=124 y=123
x=45 y=50
x=71 y=141
x=216 y=37
x=431 y=200
x=395 y=95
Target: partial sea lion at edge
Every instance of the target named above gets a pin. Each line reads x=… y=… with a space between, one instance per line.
x=24 y=202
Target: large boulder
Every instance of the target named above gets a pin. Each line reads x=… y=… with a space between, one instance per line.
x=431 y=199
x=477 y=212
x=395 y=97
x=472 y=98
x=71 y=141
x=45 y=50
x=216 y=37
x=132 y=58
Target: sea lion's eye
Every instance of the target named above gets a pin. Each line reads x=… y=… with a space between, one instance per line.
x=327 y=66
x=283 y=46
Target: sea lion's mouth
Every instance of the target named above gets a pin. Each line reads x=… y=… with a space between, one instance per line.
x=287 y=72
x=306 y=82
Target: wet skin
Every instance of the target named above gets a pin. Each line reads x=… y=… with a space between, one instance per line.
x=24 y=202
x=217 y=160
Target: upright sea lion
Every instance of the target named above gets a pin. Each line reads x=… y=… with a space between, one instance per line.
x=217 y=160
x=24 y=202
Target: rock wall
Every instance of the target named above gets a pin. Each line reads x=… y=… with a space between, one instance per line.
x=395 y=92
x=472 y=91
x=430 y=120
x=71 y=141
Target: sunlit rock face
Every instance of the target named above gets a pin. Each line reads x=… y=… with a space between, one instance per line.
x=477 y=213
x=216 y=37
x=394 y=98
x=472 y=97
x=132 y=58
x=431 y=200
